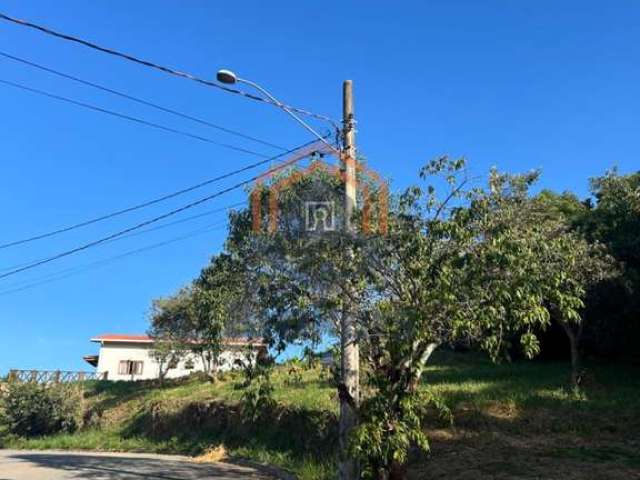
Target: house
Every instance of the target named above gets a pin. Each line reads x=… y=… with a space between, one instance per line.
x=130 y=357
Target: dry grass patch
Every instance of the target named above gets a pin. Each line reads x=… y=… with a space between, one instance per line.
x=212 y=454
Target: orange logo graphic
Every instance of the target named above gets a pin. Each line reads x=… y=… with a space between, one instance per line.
x=323 y=208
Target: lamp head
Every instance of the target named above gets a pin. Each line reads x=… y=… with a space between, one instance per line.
x=226 y=76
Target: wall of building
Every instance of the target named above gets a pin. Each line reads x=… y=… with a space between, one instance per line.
x=112 y=353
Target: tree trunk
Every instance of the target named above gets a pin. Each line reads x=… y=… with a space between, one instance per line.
x=208 y=366
x=574 y=340
x=213 y=373
x=424 y=358
x=162 y=371
x=397 y=471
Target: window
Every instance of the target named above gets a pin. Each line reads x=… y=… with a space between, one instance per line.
x=188 y=365
x=173 y=363
x=130 y=367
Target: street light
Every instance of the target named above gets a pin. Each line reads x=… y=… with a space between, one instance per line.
x=229 y=77
x=226 y=76
x=350 y=376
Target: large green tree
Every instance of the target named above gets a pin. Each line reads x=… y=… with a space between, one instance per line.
x=461 y=264
x=466 y=263
x=304 y=280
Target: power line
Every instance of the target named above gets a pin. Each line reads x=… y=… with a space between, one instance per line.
x=132 y=234
x=306 y=146
x=125 y=231
x=142 y=232
x=155 y=66
x=182 y=220
x=151 y=221
x=62 y=274
x=141 y=101
x=130 y=118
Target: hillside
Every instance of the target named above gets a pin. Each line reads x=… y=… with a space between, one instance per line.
x=511 y=421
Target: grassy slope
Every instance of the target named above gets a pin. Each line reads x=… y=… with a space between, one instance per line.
x=511 y=421
x=518 y=421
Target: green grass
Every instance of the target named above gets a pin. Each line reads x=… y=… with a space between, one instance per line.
x=505 y=416
x=609 y=399
x=189 y=416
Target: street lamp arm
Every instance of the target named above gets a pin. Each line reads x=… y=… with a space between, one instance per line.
x=286 y=109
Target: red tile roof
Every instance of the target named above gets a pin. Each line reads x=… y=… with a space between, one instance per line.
x=118 y=337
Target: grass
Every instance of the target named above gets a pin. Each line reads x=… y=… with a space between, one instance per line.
x=511 y=421
x=521 y=421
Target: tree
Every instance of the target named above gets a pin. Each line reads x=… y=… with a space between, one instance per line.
x=470 y=264
x=574 y=267
x=461 y=265
x=166 y=354
x=481 y=265
x=197 y=317
x=577 y=265
x=219 y=308
x=300 y=277
x=614 y=220
x=169 y=329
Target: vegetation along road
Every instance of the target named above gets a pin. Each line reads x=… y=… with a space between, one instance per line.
x=512 y=421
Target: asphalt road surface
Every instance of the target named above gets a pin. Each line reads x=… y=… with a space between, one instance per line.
x=48 y=465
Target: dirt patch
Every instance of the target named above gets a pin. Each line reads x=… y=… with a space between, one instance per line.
x=495 y=455
x=502 y=411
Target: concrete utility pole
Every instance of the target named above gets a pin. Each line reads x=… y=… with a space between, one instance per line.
x=350 y=351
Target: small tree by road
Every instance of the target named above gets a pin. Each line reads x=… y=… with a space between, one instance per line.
x=197 y=318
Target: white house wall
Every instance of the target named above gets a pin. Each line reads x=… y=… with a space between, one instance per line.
x=112 y=353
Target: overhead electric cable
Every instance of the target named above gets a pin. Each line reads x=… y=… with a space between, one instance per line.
x=141 y=101
x=156 y=200
x=152 y=220
x=182 y=220
x=155 y=66
x=132 y=119
x=142 y=232
x=76 y=270
x=125 y=231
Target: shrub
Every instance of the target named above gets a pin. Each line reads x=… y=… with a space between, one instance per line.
x=31 y=410
x=294 y=376
x=388 y=430
x=257 y=398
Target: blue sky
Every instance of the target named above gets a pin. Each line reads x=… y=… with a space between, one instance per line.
x=517 y=85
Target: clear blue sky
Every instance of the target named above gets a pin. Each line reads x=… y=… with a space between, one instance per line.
x=518 y=85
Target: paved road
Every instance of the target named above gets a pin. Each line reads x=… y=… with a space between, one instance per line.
x=49 y=465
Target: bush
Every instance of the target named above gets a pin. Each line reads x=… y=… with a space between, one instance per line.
x=31 y=410
x=294 y=376
x=257 y=398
